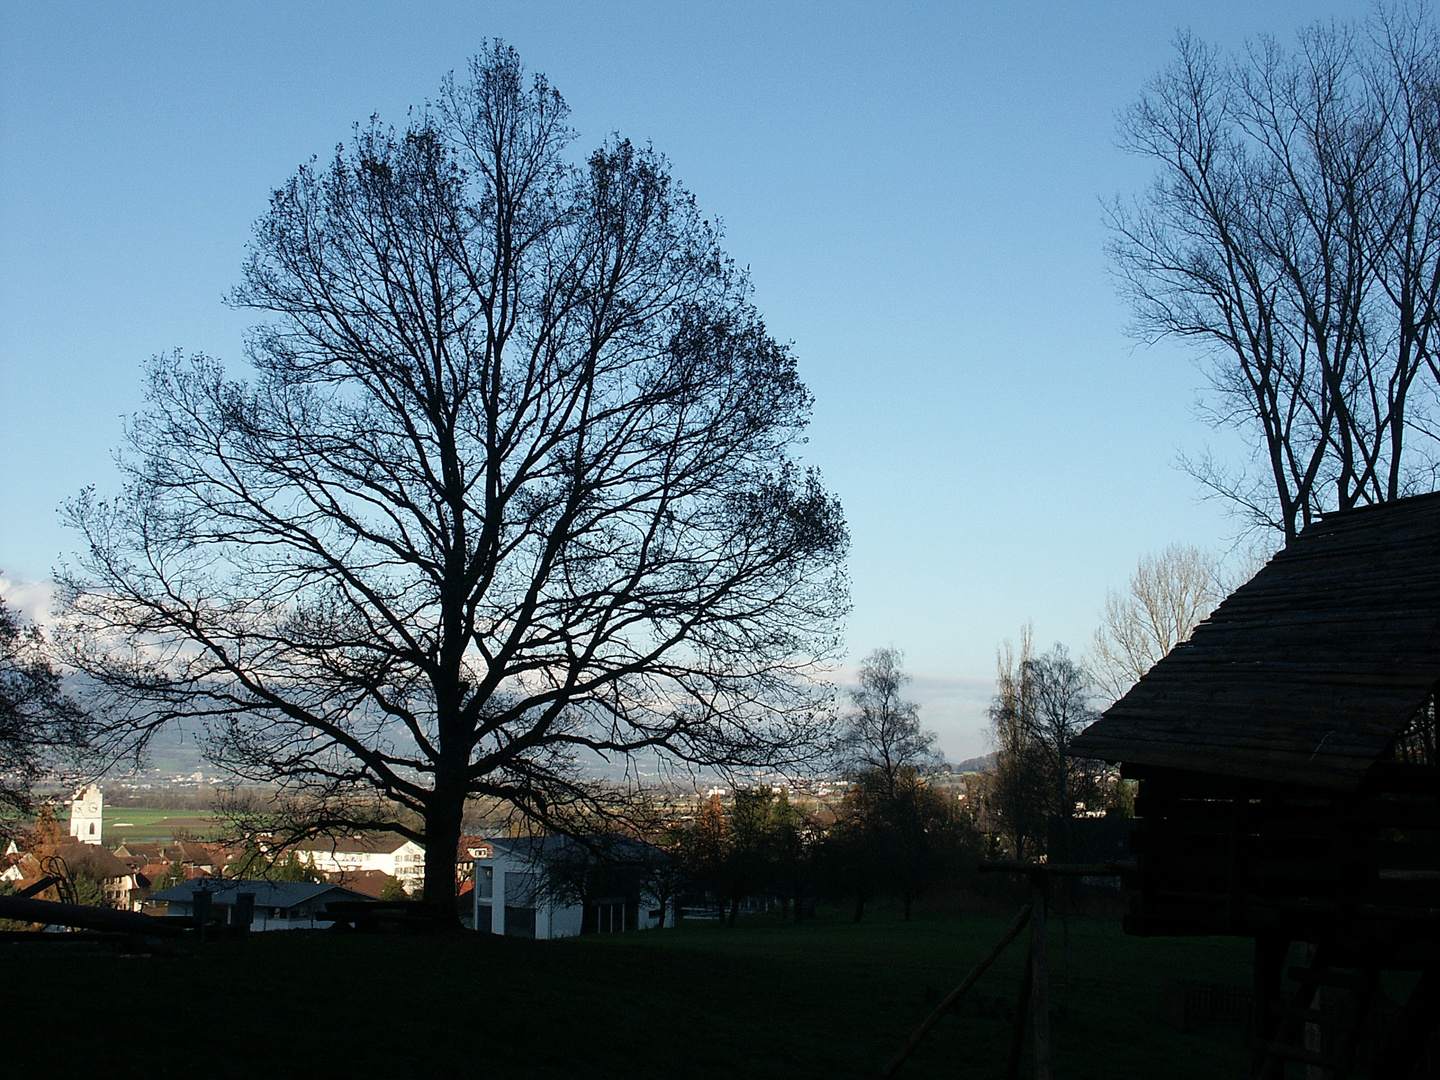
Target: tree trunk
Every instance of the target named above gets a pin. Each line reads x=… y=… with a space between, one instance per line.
x=442 y=841
x=734 y=911
x=859 y=906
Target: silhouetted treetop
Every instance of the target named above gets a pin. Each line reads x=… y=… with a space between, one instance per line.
x=513 y=482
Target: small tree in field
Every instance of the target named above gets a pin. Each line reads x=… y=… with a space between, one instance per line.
x=512 y=487
x=898 y=838
x=881 y=733
x=892 y=827
x=1060 y=690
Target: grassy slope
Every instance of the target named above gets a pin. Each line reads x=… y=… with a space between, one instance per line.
x=828 y=1000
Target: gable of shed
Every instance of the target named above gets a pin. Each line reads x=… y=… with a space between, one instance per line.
x=1306 y=673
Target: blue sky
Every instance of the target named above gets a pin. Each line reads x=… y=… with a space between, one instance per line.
x=916 y=188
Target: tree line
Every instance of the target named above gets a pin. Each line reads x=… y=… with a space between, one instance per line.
x=897 y=832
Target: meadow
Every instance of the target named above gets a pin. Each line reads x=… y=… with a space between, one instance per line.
x=141 y=825
x=826 y=999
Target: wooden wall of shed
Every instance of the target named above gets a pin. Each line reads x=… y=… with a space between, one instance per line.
x=1223 y=856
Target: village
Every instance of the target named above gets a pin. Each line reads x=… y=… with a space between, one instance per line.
x=548 y=883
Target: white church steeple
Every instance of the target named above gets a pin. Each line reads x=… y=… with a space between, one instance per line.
x=85 y=814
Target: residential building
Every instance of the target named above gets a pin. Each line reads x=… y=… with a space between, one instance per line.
x=393 y=855
x=121 y=885
x=553 y=886
x=470 y=849
x=279 y=905
x=198 y=859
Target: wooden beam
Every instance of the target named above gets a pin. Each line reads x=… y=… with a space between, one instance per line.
x=953 y=998
x=50 y=913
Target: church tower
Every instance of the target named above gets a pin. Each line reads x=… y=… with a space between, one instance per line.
x=85 y=810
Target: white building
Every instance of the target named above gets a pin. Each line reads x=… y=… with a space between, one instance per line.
x=400 y=858
x=86 y=814
x=552 y=887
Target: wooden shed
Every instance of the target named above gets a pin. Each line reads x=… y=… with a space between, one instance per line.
x=1289 y=785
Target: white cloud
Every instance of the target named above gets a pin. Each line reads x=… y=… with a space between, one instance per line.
x=33 y=601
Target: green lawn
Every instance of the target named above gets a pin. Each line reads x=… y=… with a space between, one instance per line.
x=827 y=1000
x=123 y=823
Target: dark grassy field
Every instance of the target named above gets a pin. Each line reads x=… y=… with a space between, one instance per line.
x=829 y=999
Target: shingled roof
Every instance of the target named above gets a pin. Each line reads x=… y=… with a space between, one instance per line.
x=1306 y=673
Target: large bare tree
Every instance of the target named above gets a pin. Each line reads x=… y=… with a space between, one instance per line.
x=512 y=484
x=1292 y=233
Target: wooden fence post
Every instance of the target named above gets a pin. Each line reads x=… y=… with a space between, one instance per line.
x=1040 y=993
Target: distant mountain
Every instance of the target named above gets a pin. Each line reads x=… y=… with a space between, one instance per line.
x=178 y=749
x=975 y=764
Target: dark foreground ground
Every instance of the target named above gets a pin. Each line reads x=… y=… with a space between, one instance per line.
x=829 y=999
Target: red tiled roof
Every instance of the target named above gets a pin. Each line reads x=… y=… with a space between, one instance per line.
x=369 y=882
x=473 y=847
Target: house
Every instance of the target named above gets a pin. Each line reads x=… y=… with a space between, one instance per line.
x=553 y=886
x=1289 y=778
x=371 y=883
x=393 y=855
x=152 y=862
x=469 y=849
x=279 y=905
x=10 y=869
x=198 y=859
x=121 y=885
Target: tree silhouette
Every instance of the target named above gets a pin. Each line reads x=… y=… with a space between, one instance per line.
x=1292 y=234
x=512 y=489
x=38 y=722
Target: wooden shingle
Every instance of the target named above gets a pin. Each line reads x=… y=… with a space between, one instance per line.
x=1306 y=673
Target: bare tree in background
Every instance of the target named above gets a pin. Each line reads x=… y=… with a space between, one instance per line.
x=893 y=830
x=1168 y=595
x=1016 y=797
x=881 y=733
x=1060 y=690
x=513 y=484
x=1041 y=703
x=1292 y=234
